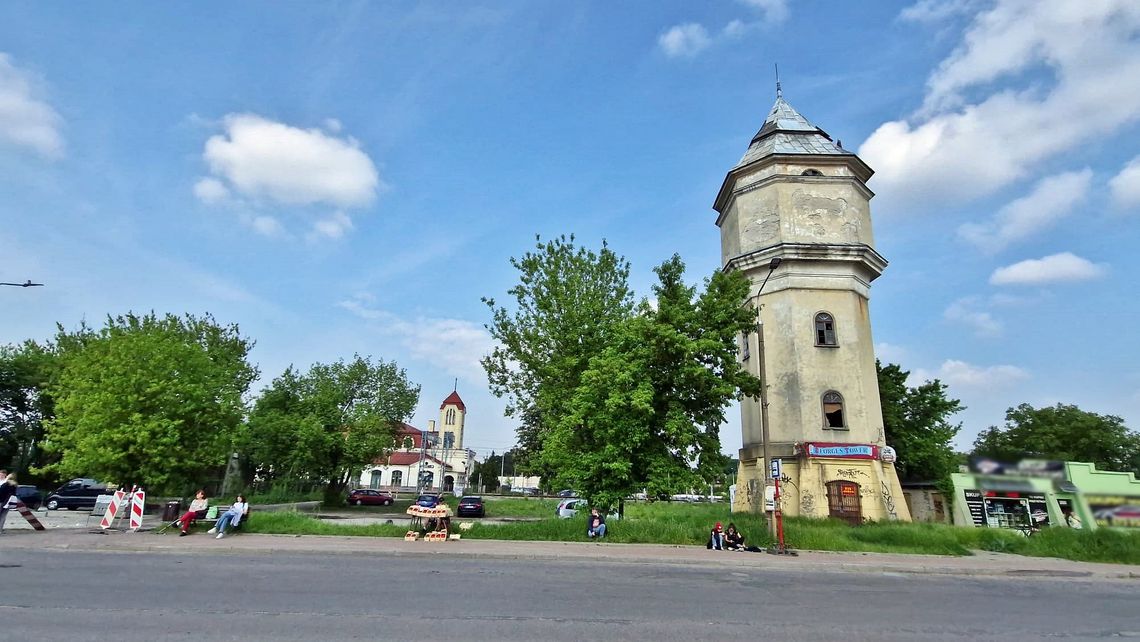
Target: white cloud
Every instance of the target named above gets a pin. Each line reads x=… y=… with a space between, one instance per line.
x=333 y=227
x=936 y=10
x=267 y=226
x=685 y=40
x=1125 y=186
x=1056 y=268
x=773 y=10
x=1052 y=199
x=26 y=120
x=333 y=125
x=456 y=345
x=689 y=39
x=265 y=160
x=966 y=312
x=959 y=373
x=211 y=191
x=988 y=117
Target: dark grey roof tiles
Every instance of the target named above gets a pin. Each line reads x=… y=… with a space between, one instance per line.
x=786 y=131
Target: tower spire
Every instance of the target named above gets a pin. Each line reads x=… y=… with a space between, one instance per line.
x=779 y=91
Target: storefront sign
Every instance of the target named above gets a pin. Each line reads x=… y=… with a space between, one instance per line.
x=842 y=451
x=975 y=503
x=1024 y=468
x=1115 y=510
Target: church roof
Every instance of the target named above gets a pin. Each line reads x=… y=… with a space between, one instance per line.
x=453 y=400
x=786 y=131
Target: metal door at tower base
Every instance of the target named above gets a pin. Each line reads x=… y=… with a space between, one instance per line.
x=843 y=501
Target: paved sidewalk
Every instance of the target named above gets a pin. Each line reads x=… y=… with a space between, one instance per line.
x=980 y=565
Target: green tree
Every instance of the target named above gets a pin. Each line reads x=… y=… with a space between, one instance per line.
x=567 y=305
x=1062 y=432
x=25 y=405
x=648 y=410
x=326 y=425
x=147 y=399
x=916 y=423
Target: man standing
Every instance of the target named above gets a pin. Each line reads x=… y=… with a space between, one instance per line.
x=595 y=525
x=7 y=491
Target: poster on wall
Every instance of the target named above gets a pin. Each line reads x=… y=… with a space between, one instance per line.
x=1115 y=510
x=977 y=507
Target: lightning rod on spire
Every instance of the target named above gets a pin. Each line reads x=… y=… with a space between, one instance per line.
x=779 y=91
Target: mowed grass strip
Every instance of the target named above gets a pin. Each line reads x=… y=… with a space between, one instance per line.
x=685 y=524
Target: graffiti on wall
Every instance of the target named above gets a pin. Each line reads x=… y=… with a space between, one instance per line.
x=807 y=503
x=849 y=473
x=888 y=500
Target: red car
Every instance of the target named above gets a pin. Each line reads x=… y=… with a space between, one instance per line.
x=369 y=497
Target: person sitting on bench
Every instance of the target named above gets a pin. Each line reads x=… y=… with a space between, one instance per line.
x=232 y=517
x=198 y=509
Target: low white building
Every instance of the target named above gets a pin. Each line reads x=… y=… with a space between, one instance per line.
x=438 y=456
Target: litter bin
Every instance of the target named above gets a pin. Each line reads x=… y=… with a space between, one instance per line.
x=170 y=511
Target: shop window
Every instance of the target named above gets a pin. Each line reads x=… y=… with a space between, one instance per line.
x=825 y=330
x=833 y=410
x=811 y=172
x=397 y=478
x=843 y=501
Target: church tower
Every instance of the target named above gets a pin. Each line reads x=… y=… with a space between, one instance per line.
x=452 y=413
x=794 y=216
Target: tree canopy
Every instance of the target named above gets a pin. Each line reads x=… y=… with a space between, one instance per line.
x=916 y=423
x=647 y=411
x=25 y=405
x=326 y=425
x=567 y=305
x=1062 y=432
x=147 y=400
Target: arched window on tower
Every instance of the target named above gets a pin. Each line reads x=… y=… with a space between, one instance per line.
x=449 y=418
x=833 y=411
x=811 y=172
x=825 y=330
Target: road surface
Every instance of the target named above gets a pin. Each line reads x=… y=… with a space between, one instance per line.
x=66 y=595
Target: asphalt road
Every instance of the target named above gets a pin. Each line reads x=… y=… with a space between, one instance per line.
x=59 y=595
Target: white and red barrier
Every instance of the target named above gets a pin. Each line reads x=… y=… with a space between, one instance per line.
x=27 y=513
x=138 y=497
x=112 y=509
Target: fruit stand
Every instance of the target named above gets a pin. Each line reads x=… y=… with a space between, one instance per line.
x=438 y=525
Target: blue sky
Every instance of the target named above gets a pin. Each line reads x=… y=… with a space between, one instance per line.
x=353 y=177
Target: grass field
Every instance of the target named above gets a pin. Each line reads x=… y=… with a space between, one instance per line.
x=665 y=523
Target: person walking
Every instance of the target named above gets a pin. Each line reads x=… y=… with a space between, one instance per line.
x=232 y=517
x=7 y=492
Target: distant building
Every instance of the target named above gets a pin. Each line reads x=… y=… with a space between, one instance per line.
x=429 y=459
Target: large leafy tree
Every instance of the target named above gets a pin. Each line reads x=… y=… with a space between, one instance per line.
x=917 y=424
x=648 y=409
x=1063 y=432
x=147 y=399
x=25 y=405
x=326 y=425
x=566 y=307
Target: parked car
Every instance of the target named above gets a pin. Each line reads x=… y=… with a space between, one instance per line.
x=370 y=497
x=30 y=495
x=471 y=506
x=429 y=500
x=567 y=493
x=77 y=493
x=569 y=508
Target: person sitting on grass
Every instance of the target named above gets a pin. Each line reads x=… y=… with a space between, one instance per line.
x=595 y=525
x=232 y=516
x=716 y=538
x=733 y=540
x=198 y=509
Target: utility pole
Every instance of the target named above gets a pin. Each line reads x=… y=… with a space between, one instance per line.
x=760 y=363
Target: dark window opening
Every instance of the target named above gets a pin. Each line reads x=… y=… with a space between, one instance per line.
x=825 y=330
x=811 y=172
x=833 y=410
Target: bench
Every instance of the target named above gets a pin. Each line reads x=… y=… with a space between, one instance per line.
x=212 y=515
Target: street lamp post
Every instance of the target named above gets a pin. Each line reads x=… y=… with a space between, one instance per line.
x=760 y=363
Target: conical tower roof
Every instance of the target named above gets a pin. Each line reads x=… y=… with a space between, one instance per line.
x=453 y=400
x=786 y=131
